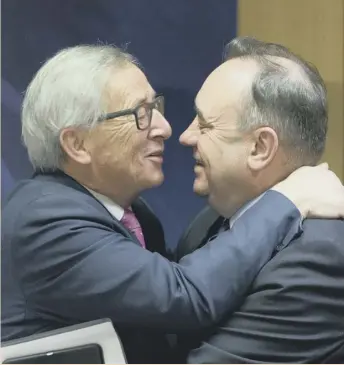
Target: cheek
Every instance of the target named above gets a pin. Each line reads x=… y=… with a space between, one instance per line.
x=210 y=151
x=135 y=151
x=101 y=150
x=230 y=168
x=108 y=152
x=220 y=162
x=205 y=148
x=115 y=146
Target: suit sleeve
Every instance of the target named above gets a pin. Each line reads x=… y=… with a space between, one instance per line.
x=74 y=267
x=294 y=313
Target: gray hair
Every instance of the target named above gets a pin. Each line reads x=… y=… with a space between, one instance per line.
x=287 y=94
x=68 y=90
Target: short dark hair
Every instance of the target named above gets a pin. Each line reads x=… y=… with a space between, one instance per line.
x=287 y=94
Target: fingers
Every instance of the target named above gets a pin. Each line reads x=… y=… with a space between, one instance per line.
x=324 y=165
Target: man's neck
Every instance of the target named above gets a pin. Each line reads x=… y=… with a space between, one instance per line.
x=113 y=208
x=122 y=196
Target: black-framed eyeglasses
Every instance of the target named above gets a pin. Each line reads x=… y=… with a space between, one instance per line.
x=143 y=112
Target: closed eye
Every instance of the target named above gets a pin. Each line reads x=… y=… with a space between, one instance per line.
x=202 y=122
x=202 y=128
x=203 y=125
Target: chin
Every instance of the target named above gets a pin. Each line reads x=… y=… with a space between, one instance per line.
x=155 y=179
x=200 y=188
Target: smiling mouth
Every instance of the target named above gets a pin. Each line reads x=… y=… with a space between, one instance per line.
x=199 y=163
x=156 y=154
x=156 y=157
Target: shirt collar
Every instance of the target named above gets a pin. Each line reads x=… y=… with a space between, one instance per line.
x=243 y=209
x=114 y=209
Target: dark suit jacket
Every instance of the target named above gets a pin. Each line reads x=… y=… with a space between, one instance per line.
x=66 y=260
x=294 y=310
x=204 y=226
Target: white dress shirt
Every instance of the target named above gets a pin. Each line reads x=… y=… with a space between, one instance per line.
x=114 y=209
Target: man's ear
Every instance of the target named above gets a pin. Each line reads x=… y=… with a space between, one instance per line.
x=72 y=141
x=264 y=148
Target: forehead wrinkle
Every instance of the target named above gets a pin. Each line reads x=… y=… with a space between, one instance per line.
x=133 y=99
x=209 y=117
x=128 y=89
x=206 y=116
x=141 y=97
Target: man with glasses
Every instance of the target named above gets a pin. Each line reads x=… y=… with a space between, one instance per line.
x=77 y=241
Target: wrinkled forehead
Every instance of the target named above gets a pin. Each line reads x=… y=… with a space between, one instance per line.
x=129 y=87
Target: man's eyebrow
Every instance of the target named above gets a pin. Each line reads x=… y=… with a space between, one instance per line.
x=140 y=101
x=145 y=99
x=200 y=115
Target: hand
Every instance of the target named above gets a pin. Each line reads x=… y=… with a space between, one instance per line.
x=316 y=191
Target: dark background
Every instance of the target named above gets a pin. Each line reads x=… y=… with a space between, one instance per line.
x=178 y=43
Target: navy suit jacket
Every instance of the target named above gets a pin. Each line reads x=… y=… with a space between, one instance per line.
x=294 y=310
x=66 y=260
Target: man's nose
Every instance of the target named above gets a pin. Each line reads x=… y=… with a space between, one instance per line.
x=190 y=136
x=160 y=127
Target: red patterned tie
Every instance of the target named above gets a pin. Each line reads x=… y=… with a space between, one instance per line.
x=132 y=224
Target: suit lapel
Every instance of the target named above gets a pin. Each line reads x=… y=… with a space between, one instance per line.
x=213 y=230
x=59 y=177
x=151 y=227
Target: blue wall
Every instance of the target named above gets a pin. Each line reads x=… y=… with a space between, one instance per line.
x=178 y=42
